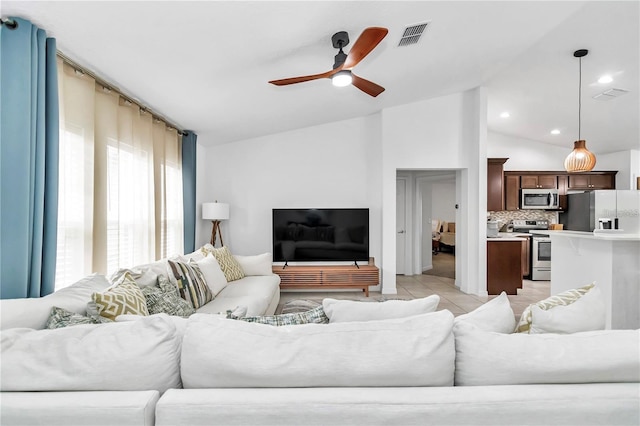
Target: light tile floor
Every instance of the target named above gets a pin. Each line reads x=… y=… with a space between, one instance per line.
x=418 y=286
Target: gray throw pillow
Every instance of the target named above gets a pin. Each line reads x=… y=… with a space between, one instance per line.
x=316 y=316
x=59 y=318
x=164 y=298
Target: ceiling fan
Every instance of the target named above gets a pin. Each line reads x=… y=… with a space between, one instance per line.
x=341 y=74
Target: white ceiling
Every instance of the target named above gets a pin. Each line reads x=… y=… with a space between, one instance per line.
x=205 y=65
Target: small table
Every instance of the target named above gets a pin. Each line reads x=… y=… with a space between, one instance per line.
x=435 y=246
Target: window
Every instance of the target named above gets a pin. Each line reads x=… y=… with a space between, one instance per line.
x=120 y=193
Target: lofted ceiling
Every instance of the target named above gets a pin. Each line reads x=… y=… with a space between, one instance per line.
x=205 y=65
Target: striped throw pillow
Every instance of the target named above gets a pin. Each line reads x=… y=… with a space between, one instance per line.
x=561 y=299
x=190 y=282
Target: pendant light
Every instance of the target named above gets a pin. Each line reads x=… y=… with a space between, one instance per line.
x=580 y=159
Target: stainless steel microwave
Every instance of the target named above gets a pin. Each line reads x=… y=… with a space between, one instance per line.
x=541 y=199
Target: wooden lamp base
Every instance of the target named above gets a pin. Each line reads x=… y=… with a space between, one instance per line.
x=215 y=231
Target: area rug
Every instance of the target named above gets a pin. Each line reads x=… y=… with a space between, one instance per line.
x=303 y=305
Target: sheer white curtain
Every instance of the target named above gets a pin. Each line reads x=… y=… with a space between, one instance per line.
x=121 y=182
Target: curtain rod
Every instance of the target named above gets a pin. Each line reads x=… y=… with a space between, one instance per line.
x=10 y=23
x=110 y=86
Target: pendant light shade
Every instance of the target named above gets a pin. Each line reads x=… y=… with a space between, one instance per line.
x=580 y=159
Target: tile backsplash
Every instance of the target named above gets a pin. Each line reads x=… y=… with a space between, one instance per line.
x=503 y=217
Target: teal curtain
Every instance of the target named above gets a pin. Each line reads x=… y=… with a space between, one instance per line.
x=189 y=189
x=28 y=161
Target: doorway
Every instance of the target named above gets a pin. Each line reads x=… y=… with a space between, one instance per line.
x=426 y=201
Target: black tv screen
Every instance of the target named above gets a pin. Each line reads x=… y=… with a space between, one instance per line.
x=315 y=235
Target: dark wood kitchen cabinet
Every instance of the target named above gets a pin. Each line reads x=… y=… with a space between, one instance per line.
x=495 y=181
x=511 y=192
x=538 y=181
x=504 y=266
x=592 y=180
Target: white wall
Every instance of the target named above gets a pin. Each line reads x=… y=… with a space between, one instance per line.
x=354 y=163
x=442 y=133
x=526 y=154
x=327 y=166
x=627 y=163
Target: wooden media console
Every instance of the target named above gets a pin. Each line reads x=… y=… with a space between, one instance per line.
x=328 y=277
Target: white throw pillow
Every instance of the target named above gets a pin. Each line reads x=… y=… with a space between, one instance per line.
x=136 y=355
x=144 y=275
x=585 y=314
x=495 y=315
x=224 y=353
x=350 y=310
x=488 y=358
x=213 y=275
x=260 y=264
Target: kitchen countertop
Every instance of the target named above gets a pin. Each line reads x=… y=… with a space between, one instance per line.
x=506 y=236
x=607 y=236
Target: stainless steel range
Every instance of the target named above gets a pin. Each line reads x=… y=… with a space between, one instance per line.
x=540 y=247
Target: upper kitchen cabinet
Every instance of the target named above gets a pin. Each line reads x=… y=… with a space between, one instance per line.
x=511 y=192
x=592 y=180
x=495 y=184
x=538 y=181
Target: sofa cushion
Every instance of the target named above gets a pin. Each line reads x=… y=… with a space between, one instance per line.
x=260 y=264
x=138 y=355
x=124 y=297
x=213 y=275
x=495 y=315
x=413 y=351
x=351 y=310
x=256 y=293
x=99 y=408
x=585 y=314
x=164 y=298
x=488 y=358
x=34 y=312
x=60 y=318
x=562 y=299
x=229 y=265
x=312 y=316
x=190 y=282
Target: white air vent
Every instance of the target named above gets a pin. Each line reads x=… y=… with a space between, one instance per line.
x=610 y=94
x=412 y=34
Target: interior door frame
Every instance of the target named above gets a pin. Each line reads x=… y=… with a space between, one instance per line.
x=408 y=236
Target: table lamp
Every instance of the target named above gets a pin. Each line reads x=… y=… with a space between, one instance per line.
x=215 y=212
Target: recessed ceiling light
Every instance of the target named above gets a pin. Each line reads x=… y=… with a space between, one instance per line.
x=505 y=115
x=555 y=132
x=605 y=79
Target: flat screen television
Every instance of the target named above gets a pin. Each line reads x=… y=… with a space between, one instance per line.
x=320 y=235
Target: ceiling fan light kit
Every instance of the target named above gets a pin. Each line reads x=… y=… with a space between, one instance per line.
x=342 y=78
x=580 y=159
x=341 y=75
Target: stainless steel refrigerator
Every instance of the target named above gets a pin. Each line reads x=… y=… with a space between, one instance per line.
x=606 y=209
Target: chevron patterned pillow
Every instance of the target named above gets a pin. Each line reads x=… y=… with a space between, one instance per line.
x=124 y=297
x=229 y=265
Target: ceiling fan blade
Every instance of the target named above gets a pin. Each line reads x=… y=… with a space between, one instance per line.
x=368 y=87
x=367 y=41
x=304 y=78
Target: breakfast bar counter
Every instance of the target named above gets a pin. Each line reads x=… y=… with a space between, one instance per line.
x=608 y=259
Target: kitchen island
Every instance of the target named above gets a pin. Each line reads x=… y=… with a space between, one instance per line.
x=609 y=260
x=504 y=264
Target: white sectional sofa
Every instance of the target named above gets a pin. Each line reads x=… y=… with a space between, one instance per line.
x=370 y=365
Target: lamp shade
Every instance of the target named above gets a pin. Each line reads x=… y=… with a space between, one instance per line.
x=215 y=211
x=580 y=159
